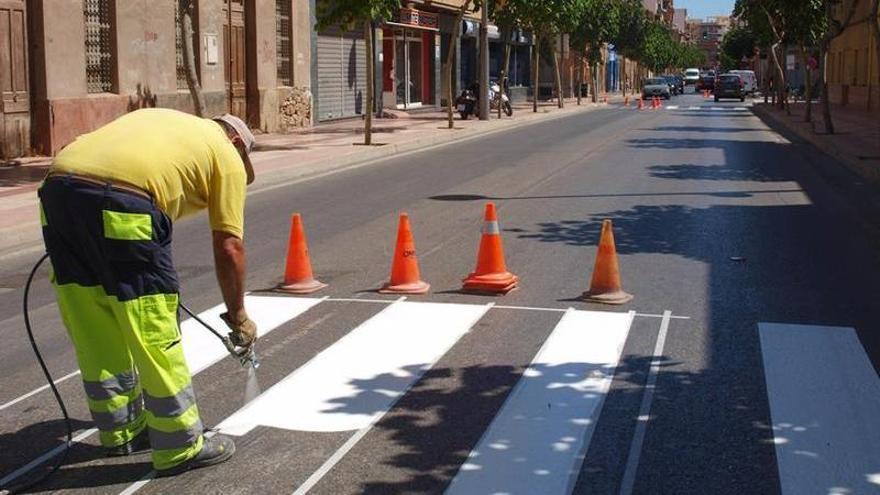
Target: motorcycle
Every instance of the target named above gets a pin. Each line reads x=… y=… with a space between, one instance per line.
x=469 y=102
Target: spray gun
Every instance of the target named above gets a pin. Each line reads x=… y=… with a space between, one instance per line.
x=246 y=356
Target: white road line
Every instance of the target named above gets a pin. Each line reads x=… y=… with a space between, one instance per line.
x=824 y=405
x=635 y=449
x=360 y=376
x=694 y=108
x=38 y=390
x=202 y=349
x=46 y=456
x=536 y=442
x=354 y=439
x=672 y=107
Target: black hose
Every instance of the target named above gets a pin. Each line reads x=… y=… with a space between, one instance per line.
x=27 y=325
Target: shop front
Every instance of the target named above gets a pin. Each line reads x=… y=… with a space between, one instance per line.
x=410 y=60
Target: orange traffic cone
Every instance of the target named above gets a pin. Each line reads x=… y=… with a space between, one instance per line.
x=491 y=275
x=605 y=99
x=641 y=104
x=405 y=278
x=626 y=101
x=298 y=277
x=605 y=286
x=654 y=103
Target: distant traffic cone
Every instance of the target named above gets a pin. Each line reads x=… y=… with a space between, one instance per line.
x=626 y=101
x=298 y=278
x=405 y=278
x=605 y=285
x=491 y=275
x=641 y=104
x=654 y=103
x=605 y=99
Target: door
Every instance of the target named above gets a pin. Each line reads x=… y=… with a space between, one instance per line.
x=235 y=68
x=342 y=74
x=408 y=69
x=14 y=97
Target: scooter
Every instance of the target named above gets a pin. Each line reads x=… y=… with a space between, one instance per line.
x=467 y=103
x=497 y=98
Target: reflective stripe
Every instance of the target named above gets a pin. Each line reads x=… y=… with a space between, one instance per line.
x=166 y=440
x=127 y=226
x=111 y=387
x=109 y=421
x=168 y=407
x=491 y=228
x=43 y=221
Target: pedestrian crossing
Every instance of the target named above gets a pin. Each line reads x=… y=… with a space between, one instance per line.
x=537 y=440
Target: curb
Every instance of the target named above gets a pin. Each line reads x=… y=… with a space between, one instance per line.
x=860 y=168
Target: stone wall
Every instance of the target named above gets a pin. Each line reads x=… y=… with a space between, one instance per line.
x=295 y=109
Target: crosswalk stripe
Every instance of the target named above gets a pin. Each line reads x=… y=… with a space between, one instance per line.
x=824 y=403
x=536 y=442
x=202 y=349
x=359 y=377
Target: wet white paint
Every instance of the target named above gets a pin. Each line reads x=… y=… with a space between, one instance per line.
x=357 y=379
x=537 y=441
x=202 y=348
x=825 y=409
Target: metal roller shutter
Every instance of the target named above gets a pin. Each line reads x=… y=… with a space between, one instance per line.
x=342 y=80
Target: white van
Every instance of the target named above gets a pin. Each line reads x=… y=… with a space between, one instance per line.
x=750 y=82
x=691 y=76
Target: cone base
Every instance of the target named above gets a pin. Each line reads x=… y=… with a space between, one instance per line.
x=414 y=288
x=304 y=287
x=486 y=290
x=493 y=283
x=614 y=298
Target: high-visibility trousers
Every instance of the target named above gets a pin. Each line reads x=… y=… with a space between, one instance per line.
x=118 y=295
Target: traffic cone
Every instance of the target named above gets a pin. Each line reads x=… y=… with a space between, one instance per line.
x=298 y=278
x=605 y=286
x=405 y=278
x=626 y=101
x=654 y=103
x=491 y=275
x=605 y=99
x=641 y=104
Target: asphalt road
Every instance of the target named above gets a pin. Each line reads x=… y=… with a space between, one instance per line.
x=720 y=224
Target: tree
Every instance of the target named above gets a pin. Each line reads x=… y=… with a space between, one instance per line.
x=737 y=44
x=450 y=59
x=596 y=25
x=630 y=32
x=185 y=29
x=658 y=52
x=768 y=19
x=350 y=14
x=874 y=22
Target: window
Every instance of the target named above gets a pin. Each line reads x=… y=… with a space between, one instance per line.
x=178 y=44
x=99 y=54
x=283 y=46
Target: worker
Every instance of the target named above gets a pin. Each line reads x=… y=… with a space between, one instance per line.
x=107 y=207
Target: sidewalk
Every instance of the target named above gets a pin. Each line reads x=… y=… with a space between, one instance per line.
x=283 y=157
x=856 y=141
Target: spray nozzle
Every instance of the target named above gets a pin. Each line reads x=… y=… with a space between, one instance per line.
x=245 y=357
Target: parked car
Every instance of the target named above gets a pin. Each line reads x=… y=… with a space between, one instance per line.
x=691 y=76
x=679 y=80
x=750 y=81
x=656 y=86
x=730 y=86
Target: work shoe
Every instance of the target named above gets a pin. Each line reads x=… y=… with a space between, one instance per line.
x=215 y=450
x=140 y=443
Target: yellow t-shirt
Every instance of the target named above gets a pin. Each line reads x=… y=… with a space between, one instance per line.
x=187 y=163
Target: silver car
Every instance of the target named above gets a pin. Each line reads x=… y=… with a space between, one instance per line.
x=656 y=86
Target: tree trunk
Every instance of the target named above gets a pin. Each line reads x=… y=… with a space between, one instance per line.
x=371 y=83
x=594 y=75
x=189 y=59
x=580 y=77
x=808 y=82
x=560 y=101
x=780 y=76
x=823 y=87
x=536 y=73
x=874 y=21
x=450 y=58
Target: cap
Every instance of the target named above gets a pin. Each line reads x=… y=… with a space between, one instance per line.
x=247 y=139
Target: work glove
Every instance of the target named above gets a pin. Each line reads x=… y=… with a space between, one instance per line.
x=244 y=330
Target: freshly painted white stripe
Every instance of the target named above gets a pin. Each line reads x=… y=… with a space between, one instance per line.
x=824 y=405
x=202 y=349
x=46 y=456
x=672 y=107
x=38 y=390
x=740 y=109
x=137 y=485
x=360 y=377
x=635 y=448
x=537 y=440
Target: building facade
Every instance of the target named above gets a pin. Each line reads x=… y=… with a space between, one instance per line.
x=852 y=63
